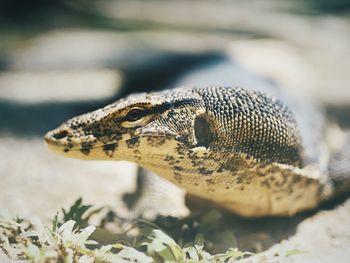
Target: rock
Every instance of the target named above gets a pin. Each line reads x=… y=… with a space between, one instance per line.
x=299 y=70
x=321 y=40
x=68 y=49
x=278 y=61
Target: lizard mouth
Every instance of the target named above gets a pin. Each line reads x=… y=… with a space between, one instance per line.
x=75 y=144
x=85 y=150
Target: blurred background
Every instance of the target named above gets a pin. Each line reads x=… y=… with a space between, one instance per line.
x=62 y=58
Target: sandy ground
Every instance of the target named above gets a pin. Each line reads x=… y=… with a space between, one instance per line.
x=35 y=182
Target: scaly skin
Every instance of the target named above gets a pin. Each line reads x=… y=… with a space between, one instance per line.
x=238 y=148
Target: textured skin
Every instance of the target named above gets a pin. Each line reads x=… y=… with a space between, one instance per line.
x=238 y=148
x=339 y=168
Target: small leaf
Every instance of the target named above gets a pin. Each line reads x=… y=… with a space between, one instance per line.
x=81 y=238
x=116 y=259
x=66 y=231
x=76 y=212
x=32 y=233
x=164 y=246
x=50 y=237
x=50 y=253
x=33 y=251
x=105 y=249
x=19 y=220
x=70 y=256
x=132 y=254
x=192 y=253
x=232 y=253
x=6 y=242
x=54 y=223
x=294 y=252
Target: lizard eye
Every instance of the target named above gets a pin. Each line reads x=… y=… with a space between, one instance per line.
x=134 y=114
x=135 y=117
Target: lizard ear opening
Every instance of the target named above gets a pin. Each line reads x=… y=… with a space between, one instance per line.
x=203 y=131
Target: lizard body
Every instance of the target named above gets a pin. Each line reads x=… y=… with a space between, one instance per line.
x=239 y=148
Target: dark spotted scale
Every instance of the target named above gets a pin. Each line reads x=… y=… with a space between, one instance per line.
x=253 y=123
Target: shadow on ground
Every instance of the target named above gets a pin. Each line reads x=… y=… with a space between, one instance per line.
x=223 y=230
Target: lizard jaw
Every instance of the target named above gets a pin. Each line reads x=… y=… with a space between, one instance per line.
x=62 y=141
x=78 y=152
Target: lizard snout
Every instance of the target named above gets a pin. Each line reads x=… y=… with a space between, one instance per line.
x=56 y=137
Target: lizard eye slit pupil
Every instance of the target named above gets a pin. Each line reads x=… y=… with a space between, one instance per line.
x=135 y=114
x=136 y=117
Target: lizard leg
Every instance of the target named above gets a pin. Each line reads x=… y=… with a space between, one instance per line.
x=339 y=168
x=155 y=196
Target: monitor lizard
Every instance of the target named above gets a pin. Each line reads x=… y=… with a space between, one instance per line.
x=240 y=148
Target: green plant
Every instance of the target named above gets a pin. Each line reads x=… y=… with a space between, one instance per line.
x=74 y=240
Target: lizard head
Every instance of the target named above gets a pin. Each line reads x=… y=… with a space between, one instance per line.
x=140 y=128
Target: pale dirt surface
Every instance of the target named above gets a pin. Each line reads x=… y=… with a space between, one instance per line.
x=35 y=182
x=324 y=237
x=32 y=86
x=306 y=55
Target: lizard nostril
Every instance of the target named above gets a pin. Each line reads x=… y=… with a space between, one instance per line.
x=60 y=135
